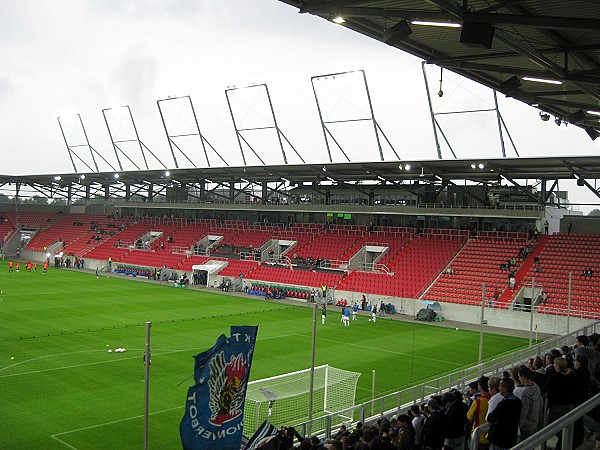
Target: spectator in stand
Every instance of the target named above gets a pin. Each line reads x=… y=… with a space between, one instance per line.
x=418 y=419
x=456 y=419
x=479 y=407
x=582 y=383
x=315 y=443
x=368 y=435
x=405 y=439
x=433 y=429
x=505 y=418
x=532 y=412
x=383 y=441
x=550 y=357
x=496 y=396
x=582 y=347
x=512 y=281
x=546 y=226
x=343 y=431
x=472 y=393
x=567 y=355
x=561 y=394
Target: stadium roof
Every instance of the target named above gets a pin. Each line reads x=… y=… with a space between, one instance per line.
x=502 y=44
x=478 y=170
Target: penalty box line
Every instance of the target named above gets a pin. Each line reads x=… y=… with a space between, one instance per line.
x=140 y=416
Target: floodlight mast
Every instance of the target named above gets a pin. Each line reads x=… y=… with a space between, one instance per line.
x=326 y=132
x=141 y=145
x=437 y=127
x=71 y=147
x=275 y=126
x=171 y=137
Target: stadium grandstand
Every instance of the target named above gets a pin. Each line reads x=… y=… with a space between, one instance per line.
x=462 y=238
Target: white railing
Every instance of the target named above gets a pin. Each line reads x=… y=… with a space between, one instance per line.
x=398 y=402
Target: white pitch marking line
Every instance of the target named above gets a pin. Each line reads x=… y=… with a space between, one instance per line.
x=156 y=353
x=54 y=436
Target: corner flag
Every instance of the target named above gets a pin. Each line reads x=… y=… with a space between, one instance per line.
x=214 y=409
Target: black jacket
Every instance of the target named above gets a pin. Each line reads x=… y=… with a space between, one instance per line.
x=433 y=430
x=456 y=419
x=504 y=420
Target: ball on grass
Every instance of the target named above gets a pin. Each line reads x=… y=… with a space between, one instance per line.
x=12 y=357
x=457 y=329
x=107 y=345
x=109 y=350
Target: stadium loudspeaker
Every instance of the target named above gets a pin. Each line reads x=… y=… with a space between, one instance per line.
x=580 y=182
x=397 y=33
x=477 y=34
x=577 y=116
x=510 y=85
x=592 y=133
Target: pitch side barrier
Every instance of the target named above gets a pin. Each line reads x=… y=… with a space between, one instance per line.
x=398 y=402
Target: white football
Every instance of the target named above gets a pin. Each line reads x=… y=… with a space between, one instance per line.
x=109 y=350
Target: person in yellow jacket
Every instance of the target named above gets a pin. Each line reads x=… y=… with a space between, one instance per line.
x=479 y=408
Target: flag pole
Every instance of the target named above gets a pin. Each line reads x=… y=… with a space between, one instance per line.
x=147 y=382
x=312 y=369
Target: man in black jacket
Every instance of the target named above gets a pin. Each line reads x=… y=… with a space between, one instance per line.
x=504 y=418
x=456 y=419
x=434 y=427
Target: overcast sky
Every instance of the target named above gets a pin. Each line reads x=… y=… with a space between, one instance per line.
x=63 y=57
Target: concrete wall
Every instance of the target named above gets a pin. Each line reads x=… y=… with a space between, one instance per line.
x=495 y=317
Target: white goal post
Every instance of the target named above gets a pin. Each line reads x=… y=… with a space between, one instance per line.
x=284 y=399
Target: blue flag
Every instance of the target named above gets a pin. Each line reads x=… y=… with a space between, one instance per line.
x=214 y=409
x=263 y=436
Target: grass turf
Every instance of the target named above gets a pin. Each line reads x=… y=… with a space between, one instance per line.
x=60 y=388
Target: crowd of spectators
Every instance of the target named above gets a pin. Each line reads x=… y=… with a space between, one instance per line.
x=514 y=403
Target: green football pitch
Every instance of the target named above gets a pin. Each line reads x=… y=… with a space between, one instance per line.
x=61 y=388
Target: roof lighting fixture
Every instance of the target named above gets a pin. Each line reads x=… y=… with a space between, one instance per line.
x=57 y=178
x=480 y=166
x=405 y=167
x=324 y=169
x=473 y=166
x=116 y=176
x=82 y=176
x=338 y=19
x=436 y=24
x=542 y=80
x=594 y=113
x=167 y=173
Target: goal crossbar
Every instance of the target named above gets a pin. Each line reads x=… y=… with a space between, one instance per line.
x=284 y=399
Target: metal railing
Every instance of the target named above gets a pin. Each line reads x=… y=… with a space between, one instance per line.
x=397 y=402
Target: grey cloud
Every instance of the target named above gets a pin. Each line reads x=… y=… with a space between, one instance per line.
x=135 y=77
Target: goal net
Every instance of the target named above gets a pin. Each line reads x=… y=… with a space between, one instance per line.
x=284 y=399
